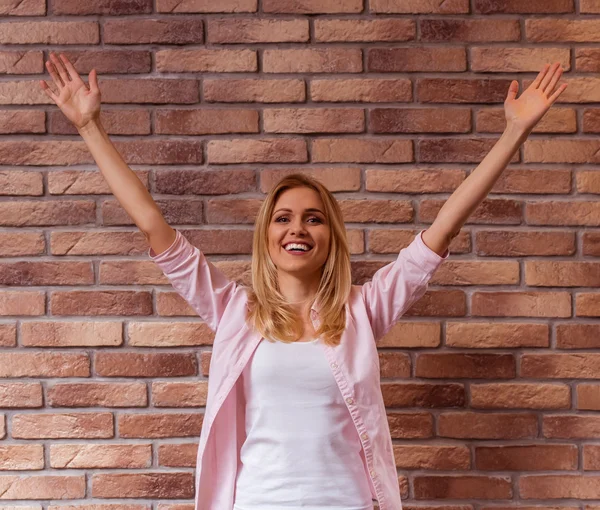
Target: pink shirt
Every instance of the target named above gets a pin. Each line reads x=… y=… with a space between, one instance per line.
x=371 y=310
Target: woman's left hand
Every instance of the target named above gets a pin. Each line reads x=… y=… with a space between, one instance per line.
x=526 y=111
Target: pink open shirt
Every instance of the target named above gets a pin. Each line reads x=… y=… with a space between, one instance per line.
x=371 y=310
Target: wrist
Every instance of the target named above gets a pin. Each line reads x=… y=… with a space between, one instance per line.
x=516 y=134
x=91 y=127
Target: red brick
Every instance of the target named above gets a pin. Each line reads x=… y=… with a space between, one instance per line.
x=466 y=272
x=112 y=302
x=462 y=487
x=562 y=274
x=361 y=90
x=21 y=457
x=250 y=31
x=444 y=90
x=393 y=240
x=410 y=425
x=562 y=30
x=484 y=335
x=346 y=150
x=143 y=485
x=421 y=180
x=100 y=456
x=15 y=244
x=207 y=6
x=419 y=6
x=589 y=7
x=354 y=30
x=56 y=212
x=206 y=61
x=20 y=395
x=571 y=427
x=205 y=182
x=265 y=150
x=179 y=394
x=521 y=304
x=42 y=364
x=537 y=457
x=162 y=91
x=466 y=366
x=520 y=396
x=434 y=457
x=469 y=30
x=412 y=334
x=520 y=7
x=587 y=60
x=417 y=59
x=97 y=395
x=591 y=120
x=153 y=31
x=175 y=212
x=420 y=120
x=24 y=8
x=562 y=213
x=582 y=89
x=561 y=366
x=98 y=243
x=22 y=121
x=46 y=273
x=440 y=303
x=491 y=211
x=471 y=425
x=8 y=335
x=313 y=60
x=591 y=243
x=110 y=61
x=159 y=425
x=205 y=121
x=21 y=62
x=254 y=91
x=376 y=211
x=504 y=243
x=115 y=122
x=42 y=487
x=531 y=181
x=313 y=120
x=394 y=365
x=588 y=397
x=22 y=92
x=334 y=178
x=577 y=336
x=587 y=304
x=107 y=7
x=116 y=364
x=167 y=334
x=63 y=426
x=423 y=395
x=312 y=6
x=177 y=455
x=71 y=334
x=556 y=120
x=591 y=457
x=517 y=60
x=50 y=32
x=456 y=150
x=563 y=486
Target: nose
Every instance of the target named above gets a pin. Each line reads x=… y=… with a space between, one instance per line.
x=297 y=228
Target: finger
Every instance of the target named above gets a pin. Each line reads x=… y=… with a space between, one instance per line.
x=74 y=75
x=549 y=76
x=60 y=68
x=550 y=88
x=49 y=92
x=93 y=78
x=558 y=92
x=540 y=76
x=512 y=90
x=55 y=77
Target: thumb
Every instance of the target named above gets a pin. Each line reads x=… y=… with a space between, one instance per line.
x=512 y=90
x=93 y=79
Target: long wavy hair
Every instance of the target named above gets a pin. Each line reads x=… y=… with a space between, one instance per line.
x=268 y=311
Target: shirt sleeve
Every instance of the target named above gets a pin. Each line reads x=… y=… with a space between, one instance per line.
x=200 y=283
x=397 y=286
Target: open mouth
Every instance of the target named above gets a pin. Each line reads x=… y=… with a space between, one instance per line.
x=297 y=247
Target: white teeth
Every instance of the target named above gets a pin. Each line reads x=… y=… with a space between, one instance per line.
x=297 y=246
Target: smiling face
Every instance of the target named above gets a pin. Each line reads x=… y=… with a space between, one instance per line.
x=299 y=234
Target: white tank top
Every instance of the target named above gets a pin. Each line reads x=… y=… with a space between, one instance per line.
x=302 y=450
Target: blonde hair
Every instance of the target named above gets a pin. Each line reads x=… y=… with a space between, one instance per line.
x=268 y=312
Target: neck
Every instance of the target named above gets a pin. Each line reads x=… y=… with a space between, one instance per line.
x=299 y=292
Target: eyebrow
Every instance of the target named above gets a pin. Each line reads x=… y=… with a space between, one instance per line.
x=306 y=211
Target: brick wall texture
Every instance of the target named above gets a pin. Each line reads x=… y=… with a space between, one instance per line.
x=492 y=379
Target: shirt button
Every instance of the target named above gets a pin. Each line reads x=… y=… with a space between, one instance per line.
x=373 y=474
x=364 y=436
x=334 y=365
x=350 y=401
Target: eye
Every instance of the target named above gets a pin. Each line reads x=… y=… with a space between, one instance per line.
x=315 y=219
x=281 y=219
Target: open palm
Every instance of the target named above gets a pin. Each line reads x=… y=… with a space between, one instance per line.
x=77 y=101
x=526 y=111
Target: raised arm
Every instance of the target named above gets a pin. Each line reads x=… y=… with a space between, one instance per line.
x=522 y=115
x=81 y=105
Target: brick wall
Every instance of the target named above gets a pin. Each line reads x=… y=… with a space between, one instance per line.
x=490 y=380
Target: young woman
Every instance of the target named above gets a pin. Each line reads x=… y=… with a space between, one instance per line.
x=296 y=421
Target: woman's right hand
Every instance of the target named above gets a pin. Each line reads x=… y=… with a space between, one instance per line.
x=79 y=103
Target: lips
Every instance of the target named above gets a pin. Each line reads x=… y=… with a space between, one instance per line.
x=297 y=247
